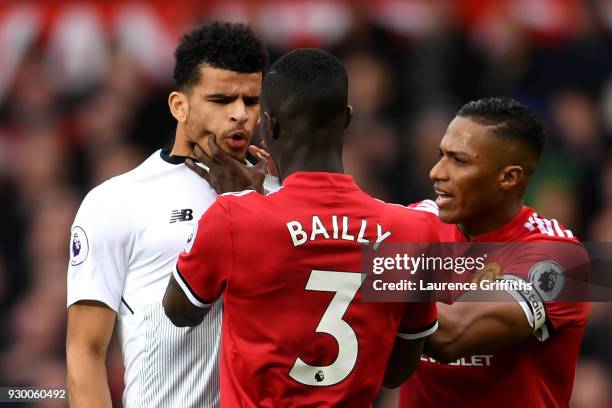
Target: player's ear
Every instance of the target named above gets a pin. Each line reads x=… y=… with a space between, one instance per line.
x=349 y=115
x=179 y=106
x=511 y=176
x=271 y=125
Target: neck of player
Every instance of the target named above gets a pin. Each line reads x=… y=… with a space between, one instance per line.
x=294 y=159
x=182 y=145
x=491 y=220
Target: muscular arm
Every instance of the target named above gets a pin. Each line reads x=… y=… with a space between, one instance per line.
x=179 y=309
x=403 y=361
x=468 y=327
x=90 y=327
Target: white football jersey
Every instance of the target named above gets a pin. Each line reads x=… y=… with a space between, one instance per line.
x=124 y=244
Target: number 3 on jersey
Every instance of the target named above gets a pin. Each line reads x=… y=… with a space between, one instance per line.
x=345 y=285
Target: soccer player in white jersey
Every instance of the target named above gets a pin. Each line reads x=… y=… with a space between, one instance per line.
x=129 y=230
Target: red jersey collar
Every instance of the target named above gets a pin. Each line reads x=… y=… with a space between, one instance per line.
x=311 y=179
x=507 y=233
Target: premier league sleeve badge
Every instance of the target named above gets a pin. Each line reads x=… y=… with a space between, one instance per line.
x=79 y=246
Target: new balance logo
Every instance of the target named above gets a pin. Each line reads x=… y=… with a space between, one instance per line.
x=181 y=215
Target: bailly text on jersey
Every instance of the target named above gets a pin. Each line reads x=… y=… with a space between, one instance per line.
x=335 y=227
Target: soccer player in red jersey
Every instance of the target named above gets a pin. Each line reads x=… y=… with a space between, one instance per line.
x=503 y=353
x=287 y=265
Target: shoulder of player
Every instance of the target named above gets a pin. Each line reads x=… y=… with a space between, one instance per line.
x=238 y=199
x=538 y=229
x=118 y=188
x=423 y=210
x=107 y=202
x=150 y=170
x=424 y=216
x=108 y=191
x=428 y=207
x=239 y=196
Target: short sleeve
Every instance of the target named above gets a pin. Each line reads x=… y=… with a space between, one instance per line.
x=420 y=320
x=98 y=252
x=203 y=271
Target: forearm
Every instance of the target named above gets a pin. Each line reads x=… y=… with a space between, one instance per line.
x=387 y=398
x=403 y=361
x=469 y=327
x=447 y=343
x=87 y=380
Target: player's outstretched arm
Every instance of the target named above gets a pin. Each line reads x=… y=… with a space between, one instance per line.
x=179 y=308
x=90 y=327
x=467 y=327
x=403 y=361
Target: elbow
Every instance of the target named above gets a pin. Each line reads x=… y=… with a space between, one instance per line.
x=177 y=319
x=81 y=360
x=444 y=351
x=444 y=347
x=445 y=355
x=185 y=322
x=393 y=383
x=181 y=319
x=395 y=374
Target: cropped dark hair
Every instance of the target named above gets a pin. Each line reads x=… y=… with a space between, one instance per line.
x=509 y=118
x=314 y=78
x=221 y=45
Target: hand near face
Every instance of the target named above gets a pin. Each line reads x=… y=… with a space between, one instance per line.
x=259 y=152
x=226 y=174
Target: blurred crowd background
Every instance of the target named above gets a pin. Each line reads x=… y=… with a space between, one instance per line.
x=83 y=91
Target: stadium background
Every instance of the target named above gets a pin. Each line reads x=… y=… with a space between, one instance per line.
x=83 y=88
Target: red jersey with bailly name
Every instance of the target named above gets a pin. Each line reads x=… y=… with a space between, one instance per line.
x=288 y=266
x=537 y=372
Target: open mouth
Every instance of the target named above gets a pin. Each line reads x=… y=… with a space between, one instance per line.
x=444 y=197
x=237 y=139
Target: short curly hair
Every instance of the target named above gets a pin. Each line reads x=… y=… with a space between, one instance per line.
x=509 y=118
x=231 y=46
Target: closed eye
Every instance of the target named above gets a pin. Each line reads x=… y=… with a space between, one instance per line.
x=251 y=101
x=222 y=101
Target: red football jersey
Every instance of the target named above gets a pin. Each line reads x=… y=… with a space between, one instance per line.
x=532 y=373
x=295 y=330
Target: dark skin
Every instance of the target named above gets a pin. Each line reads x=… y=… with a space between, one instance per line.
x=480 y=180
x=295 y=145
x=225 y=173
